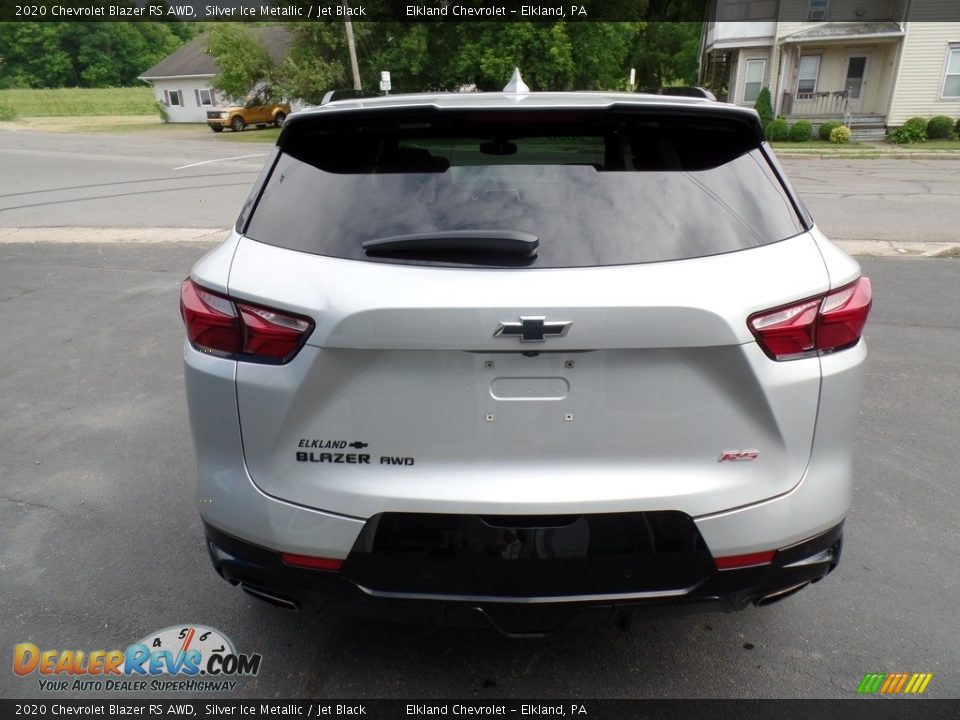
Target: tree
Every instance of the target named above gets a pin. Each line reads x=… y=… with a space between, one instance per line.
x=602 y=54
x=242 y=59
x=426 y=56
x=35 y=56
x=89 y=54
x=445 y=56
x=763 y=106
x=317 y=61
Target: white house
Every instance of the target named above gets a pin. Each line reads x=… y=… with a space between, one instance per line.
x=181 y=81
x=870 y=63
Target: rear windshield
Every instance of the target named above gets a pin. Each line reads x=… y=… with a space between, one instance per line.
x=600 y=189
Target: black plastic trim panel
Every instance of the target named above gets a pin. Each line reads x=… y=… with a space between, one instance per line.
x=557 y=571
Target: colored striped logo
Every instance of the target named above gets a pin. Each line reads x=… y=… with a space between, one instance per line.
x=894 y=683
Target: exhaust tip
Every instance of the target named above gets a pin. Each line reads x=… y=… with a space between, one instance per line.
x=775 y=597
x=269 y=597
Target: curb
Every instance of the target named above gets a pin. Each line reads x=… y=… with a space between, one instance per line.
x=111 y=235
x=212 y=236
x=890 y=248
x=867 y=155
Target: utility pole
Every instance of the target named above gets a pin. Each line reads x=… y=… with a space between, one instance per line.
x=353 y=53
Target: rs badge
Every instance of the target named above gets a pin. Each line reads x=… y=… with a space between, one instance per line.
x=735 y=455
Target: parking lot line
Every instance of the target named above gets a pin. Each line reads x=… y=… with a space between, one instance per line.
x=227 y=159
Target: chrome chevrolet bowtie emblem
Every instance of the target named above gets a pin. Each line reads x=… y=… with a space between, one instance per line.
x=533 y=328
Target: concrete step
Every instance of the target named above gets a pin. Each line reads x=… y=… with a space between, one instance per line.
x=867 y=120
x=867 y=132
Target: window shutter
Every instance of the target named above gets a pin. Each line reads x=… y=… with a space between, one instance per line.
x=196 y=94
x=213 y=97
x=166 y=98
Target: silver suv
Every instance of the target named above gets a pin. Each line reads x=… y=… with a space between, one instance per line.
x=524 y=359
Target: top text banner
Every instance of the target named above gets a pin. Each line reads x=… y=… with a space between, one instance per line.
x=453 y=10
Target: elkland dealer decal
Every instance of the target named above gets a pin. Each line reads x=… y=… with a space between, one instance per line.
x=199 y=658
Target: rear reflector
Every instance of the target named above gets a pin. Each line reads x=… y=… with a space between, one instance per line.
x=219 y=325
x=313 y=563
x=735 y=562
x=829 y=322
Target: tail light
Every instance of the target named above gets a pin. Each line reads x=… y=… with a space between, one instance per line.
x=226 y=327
x=833 y=321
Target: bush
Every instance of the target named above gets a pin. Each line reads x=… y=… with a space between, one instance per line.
x=840 y=135
x=801 y=131
x=778 y=130
x=7 y=113
x=763 y=107
x=913 y=130
x=827 y=128
x=940 y=128
x=162 y=111
x=956 y=128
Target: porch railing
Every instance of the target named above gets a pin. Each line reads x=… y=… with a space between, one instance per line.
x=824 y=103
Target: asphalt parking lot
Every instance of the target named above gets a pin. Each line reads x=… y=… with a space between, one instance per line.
x=100 y=541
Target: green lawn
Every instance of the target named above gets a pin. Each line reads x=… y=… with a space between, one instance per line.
x=72 y=102
x=251 y=134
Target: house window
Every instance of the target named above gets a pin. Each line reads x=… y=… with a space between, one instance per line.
x=174 y=98
x=753 y=79
x=818 y=10
x=951 y=80
x=807 y=75
x=204 y=98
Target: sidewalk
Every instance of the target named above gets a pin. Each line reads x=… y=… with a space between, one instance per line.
x=867 y=150
x=212 y=236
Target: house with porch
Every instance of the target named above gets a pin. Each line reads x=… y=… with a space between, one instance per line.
x=868 y=63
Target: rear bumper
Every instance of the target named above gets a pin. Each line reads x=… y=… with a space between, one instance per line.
x=465 y=587
x=249 y=528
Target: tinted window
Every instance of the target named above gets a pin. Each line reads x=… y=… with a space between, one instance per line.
x=599 y=189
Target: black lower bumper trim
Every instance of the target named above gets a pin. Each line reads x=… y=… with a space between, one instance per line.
x=471 y=571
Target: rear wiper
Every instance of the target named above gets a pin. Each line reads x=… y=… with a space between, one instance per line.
x=513 y=243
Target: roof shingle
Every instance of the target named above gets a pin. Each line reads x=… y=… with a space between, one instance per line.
x=194 y=58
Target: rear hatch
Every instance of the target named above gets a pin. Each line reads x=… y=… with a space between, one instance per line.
x=549 y=315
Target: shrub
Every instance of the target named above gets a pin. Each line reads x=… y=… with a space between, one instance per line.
x=7 y=113
x=162 y=111
x=940 y=128
x=840 y=135
x=913 y=130
x=827 y=128
x=801 y=131
x=763 y=106
x=778 y=130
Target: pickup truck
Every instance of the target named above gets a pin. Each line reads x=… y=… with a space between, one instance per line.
x=256 y=110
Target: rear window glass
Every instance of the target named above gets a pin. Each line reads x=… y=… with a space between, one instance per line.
x=595 y=189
